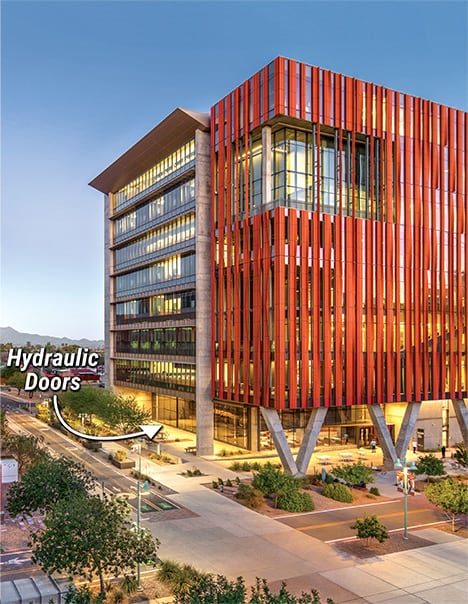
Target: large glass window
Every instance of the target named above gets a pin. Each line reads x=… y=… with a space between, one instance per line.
x=164 y=341
x=155 y=211
x=174 y=270
x=300 y=163
x=170 y=166
x=157 y=240
x=160 y=374
x=157 y=307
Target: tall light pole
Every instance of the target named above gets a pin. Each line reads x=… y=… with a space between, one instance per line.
x=403 y=468
x=137 y=449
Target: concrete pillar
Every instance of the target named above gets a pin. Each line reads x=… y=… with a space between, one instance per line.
x=266 y=165
x=385 y=440
x=108 y=295
x=311 y=434
x=461 y=413
x=204 y=402
x=254 y=437
x=407 y=429
x=275 y=427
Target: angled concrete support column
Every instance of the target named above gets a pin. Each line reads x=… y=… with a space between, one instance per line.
x=461 y=413
x=385 y=440
x=407 y=429
x=275 y=427
x=312 y=431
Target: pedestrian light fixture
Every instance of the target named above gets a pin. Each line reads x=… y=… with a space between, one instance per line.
x=406 y=483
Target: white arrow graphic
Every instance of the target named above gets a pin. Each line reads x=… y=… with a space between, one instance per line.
x=149 y=431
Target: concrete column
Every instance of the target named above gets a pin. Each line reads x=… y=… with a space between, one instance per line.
x=312 y=431
x=266 y=164
x=253 y=428
x=204 y=402
x=407 y=429
x=385 y=440
x=461 y=413
x=275 y=427
x=108 y=295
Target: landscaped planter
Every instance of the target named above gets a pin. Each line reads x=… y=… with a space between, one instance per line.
x=123 y=465
x=94 y=445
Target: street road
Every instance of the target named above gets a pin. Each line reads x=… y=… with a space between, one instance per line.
x=17 y=565
x=335 y=525
x=110 y=478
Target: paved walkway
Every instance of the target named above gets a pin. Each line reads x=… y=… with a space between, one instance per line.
x=227 y=538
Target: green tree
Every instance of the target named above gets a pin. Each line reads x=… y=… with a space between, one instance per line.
x=370 y=528
x=26 y=449
x=89 y=400
x=355 y=473
x=449 y=495
x=46 y=482
x=461 y=454
x=285 y=489
x=81 y=595
x=7 y=372
x=3 y=423
x=92 y=536
x=17 y=380
x=430 y=465
x=125 y=414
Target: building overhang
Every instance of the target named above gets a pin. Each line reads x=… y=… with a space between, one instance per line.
x=174 y=130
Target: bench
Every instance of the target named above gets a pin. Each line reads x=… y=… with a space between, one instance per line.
x=192 y=450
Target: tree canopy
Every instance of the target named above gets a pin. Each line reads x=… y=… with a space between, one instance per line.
x=26 y=449
x=17 y=380
x=430 y=465
x=120 y=413
x=370 y=527
x=355 y=473
x=91 y=536
x=125 y=414
x=449 y=495
x=88 y=400
x=46 y=482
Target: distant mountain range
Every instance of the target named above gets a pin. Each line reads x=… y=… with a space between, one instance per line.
x=8 y=334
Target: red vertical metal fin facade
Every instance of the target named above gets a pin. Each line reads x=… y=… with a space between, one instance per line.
x=358 y=303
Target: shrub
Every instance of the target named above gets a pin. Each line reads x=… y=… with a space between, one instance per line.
x=220 y=590
x=252 y=497
x=295 y=501
x=374 y=491
x=461 y=454
x=129 y=584
x=370 y=528
x=228 y=482
x=338 y=492
x=180 y=578
x=430 y=465
x=120 y=455
x=214 y=484
x=356 y=473
x=236 y=466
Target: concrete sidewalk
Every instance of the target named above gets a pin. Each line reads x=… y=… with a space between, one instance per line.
x=227 y=538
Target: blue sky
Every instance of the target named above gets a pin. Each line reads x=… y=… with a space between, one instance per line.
x=83 y=81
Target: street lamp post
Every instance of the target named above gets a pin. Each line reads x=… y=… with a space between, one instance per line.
x=137 y=449
x=403 y=468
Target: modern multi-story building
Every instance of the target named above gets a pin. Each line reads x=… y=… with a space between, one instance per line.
x=336 y=271
x=157 y=271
